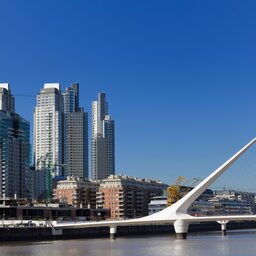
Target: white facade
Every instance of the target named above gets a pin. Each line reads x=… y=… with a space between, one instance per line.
x=48 y=130
x=52 y=85
x=99 y=112
x=5 y=86
x=94 y=119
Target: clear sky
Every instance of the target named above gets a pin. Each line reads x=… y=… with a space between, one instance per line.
x=179 y=75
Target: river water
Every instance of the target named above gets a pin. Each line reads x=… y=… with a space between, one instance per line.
x=236 y=243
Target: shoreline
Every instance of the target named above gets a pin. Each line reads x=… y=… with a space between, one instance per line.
x=8 y=234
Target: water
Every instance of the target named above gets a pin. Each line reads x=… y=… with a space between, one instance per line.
x=238 y=243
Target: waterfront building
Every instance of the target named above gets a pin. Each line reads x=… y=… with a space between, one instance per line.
x=14 y=149
x=201 y=207
x=75 y=134
x=48 y=138
x=13 y=209
x=157 y=204
x=78 y=192
x=60 y=137
x=127 y=197
x=226 y=202
x=230 y=207
x=236 y=195
x=103 y=140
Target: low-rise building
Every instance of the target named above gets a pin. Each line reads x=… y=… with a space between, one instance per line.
x=127 y=197
x=157 y=204
x=77 y=192
x=200 y=207
x=230 y=207
x=224 y=202
x=244 y=196
x=20 y=209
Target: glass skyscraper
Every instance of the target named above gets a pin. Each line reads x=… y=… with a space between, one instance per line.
x=15 y=179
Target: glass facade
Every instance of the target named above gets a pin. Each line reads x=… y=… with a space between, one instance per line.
x=15 y=178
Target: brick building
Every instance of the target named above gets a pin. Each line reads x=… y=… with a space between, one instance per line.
x=127 y=197
x=76 y=191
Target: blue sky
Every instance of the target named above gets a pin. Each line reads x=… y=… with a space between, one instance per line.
x=179 y=75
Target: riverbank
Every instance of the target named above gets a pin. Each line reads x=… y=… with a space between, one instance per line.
x=49 y=233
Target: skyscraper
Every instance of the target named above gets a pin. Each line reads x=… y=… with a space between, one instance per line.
x=75 y=134
x=109 y=135
x=103 y=140
x=14 y=149
x=7 y=101
x=48 y=147
x=60 y=137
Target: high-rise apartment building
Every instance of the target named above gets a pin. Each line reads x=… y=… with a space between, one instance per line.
x=60 y=137
x=14 y=149
x=7 y=101
x=103 y=140
x=109 y=135
x=75 y=134
x=99 y=111
x=48 y=138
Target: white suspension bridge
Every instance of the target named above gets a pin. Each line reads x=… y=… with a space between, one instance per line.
x=175 y=214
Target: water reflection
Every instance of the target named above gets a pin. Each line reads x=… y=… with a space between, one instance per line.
x=235 y=244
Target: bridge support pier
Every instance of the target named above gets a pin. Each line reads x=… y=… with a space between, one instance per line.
x=181 y=229
x=223 y=224
x=113 y=230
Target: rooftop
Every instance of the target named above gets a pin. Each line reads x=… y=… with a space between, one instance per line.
x=5 y=86
x=52 y=85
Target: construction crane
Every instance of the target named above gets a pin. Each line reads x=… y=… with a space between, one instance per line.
x=177 y=190
x=48 y=176
x=173 y=191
